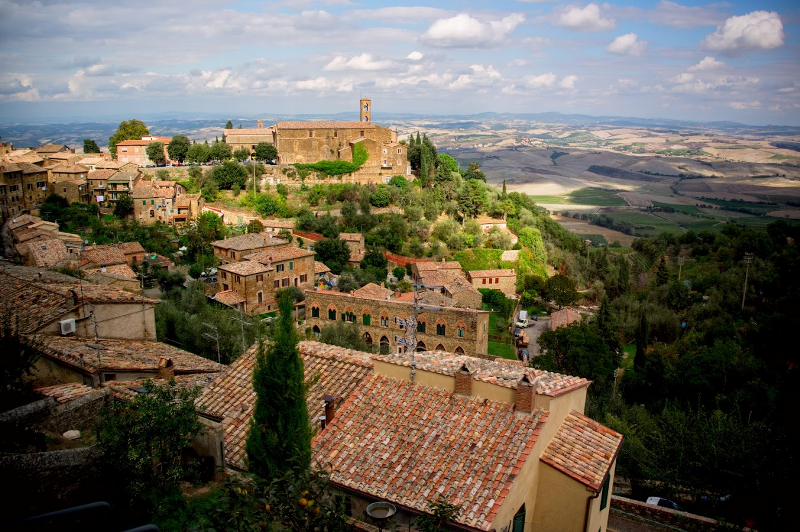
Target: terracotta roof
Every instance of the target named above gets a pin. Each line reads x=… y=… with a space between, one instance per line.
x=281 y=224
x=459 y=285
x=122 y=355
x=31 y=304
x=505 y=373
x=351 y=237
x=147 y=192
x=21 y=220
x=444 y=265
x=69 y=169
x=185 y=200
x=108 y=164
x=337 y=372
x=436 y=278
x=583 y=449
x=52 y=148
x=279 y=254
x=248 y=131
x=250 y=241
x=229 y=298
x=563 y=317
x=103 y=256
x=28 y=168
x=491 y=273
x=6 y=166
x=245 y=267
x=325 y=125
x=427 y=297
x=409 y=443
x=48 y=253
x=29 y=157
x=63 y=393
x=121 y=270
x=128 y=389
x=130 y=248
x=320 y=267
x=92 y=159
x=373 y=291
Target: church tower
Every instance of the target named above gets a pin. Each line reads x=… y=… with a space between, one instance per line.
x=366 y=110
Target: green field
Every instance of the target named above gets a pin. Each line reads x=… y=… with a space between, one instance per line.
x=687 y=209
x=760 y=207
x=480 y=259
x=585 y=196
x=502 y=350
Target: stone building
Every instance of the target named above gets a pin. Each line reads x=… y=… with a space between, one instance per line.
x=253 y=282
x=507 y=443
x=188 y=207
x=453 y=286
x=154 y=201
x=74 y=190
x=68 y=172
x=248 y=138
x=11 y=197
x=452 y=266
x=504 y=280
x=237 y=248
x=456 y=330
x=120 y=185
x=355 y=242
x=34 y=185
x=135 y=151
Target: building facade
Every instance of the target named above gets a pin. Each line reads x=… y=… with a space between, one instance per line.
x=456 y=330
x=504 y=280
x=135 y=151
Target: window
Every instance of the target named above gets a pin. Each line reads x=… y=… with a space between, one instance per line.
x=310 y=133
x=519 y=520
x=604 y=497
x=280 y=267
x=303 y=278
x=30 y=186
x=224 y=287
x=285 y=281
x=291 y=265
x=490 y=280
x=440 y=329
x=238 y=280
x=335 y=134
x=144 y=202
x=152 y=202
x=316 y=331
x=13 y=188
x=331 y=313
x=233 y=254
x=384 y=321
x=460 y=332
x=259 y=278
x=224 y=275
x=496 y=280
x=110 y=377
x=315 y=312
x=362 y=133
x=384 y=345
x=276 y=284
x=152 y=213
x=260 y=298
x=366 y=319
x=421 y=326
x=349 y=317
x=399 y=150
x=484 y=281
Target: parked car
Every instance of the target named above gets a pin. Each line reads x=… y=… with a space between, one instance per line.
x=522 y=323
x=517 y=332
x=664 y=503
x=534 y=317
x=524 y=355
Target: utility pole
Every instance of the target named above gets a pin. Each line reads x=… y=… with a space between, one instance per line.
x=214 y=337
x=410 y=325
x=748 y=259
x=242 y=321
x=680 y=267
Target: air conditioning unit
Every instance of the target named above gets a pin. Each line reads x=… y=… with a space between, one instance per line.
x=67 y=326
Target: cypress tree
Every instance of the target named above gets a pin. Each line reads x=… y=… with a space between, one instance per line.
x=280 y=435
x=641 y=335
x=419 y=142
x=504 y=189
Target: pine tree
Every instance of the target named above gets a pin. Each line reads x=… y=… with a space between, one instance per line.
x=641 y=335
x=280 y=435
x=662 y=274
x=229 y=125
x=607 y=325
x=504 y=189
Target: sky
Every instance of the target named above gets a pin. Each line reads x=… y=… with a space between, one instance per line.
x=706 y=61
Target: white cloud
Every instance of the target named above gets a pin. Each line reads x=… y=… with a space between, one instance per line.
x=746 y=105
x=707 y=63
x=588 y=18
x=399 y=13
x=568 y=82
x=415 y=56
x=628 y=44
x=359 y=62
x=481 y=76
x=466 y=32
x=671 y=14
x=759 y=30
x=323 y=84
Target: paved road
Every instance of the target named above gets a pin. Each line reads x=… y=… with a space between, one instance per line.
x=618 y=522
x=534 y=331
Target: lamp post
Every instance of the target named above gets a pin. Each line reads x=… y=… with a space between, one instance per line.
x=748 y=259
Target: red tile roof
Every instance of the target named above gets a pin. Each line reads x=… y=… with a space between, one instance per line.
x=373 y=291
x=563 y=317
x=250 y=241
x=63 y=393
x=229 y=298
x=48 y=253
x=279 y=254
x=102 y=175
x=325 y=125
x=351 y=237
x=246 y=267
x=64 y=168
x=102 y=256
x=409 y=443
x=432 y=266
x=320 y=267
x=491 y=273
x=583 y=449
x=231 y=395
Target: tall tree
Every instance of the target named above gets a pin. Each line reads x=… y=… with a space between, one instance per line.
x=228 y=125
x=641 y=334
x=334 y=253
x=220 y=151
x=266 y=151
x=90 y=146
x=280 y=434
x=178 y=148
x=127 y=130
x=155 y=152
x=124 y=206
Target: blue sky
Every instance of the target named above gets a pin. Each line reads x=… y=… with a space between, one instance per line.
x=688 y=60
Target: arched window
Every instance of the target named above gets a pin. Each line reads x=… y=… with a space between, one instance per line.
x=348 y=315
x=421 y=325
x=440 y=347
x=441 y=327
x=366 y=318
x=460 y=328
x=315 y=311
x=368 y=338
x=384 y=319
x=384 y=345
x=421 y=346
x=315 y=331
x=459 y=350
x=331 y=313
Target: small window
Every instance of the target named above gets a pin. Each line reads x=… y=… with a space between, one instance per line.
x=291 y=265
x=484 y=281
x=224 y=275
x=332 y=314
x=421 y=326
x=461 y=332
x=496 y=280
x=310 y=133
x=441 y=329
x=238 y=280
x=152 y=202
x=144 y=202
x=362 y=133
x=260 y=298
x=366 y=319
x=335 y=134
x=315 y=312
x=304 y=278
x=259 y=277
x=399 y=150
x=276 y=283
x=110 y=377
x=384 y=321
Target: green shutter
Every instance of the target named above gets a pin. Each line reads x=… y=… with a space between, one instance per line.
x=604 y=498
x=519 y=521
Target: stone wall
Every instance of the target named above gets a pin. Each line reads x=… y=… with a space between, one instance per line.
x=680 y=520
x=472 y=340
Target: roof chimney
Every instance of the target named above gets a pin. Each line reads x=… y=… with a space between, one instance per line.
x=330 y=408
x=166 y=369
x=383 y=284
x=525 y=395
x=463 y=381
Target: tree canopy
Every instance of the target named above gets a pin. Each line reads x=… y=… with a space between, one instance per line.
x=90 y=146
x=265 y=151
x=127 y=130
x=178 y=147
x=334 y=253
x=155 y=152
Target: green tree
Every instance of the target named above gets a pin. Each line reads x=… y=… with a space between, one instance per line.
x=124 y=206
x=345 y=335
x=228 y=173
x=560 y=289
x=127 y=130
x=241 y=154
x=198 y=153
x=178 y=148
x=474 y=172
x=142 y=439
x=381 y=197
x=16 y=364
x=334 y=253
x=266 y=151
x=155 y=152
x=642 y=337
x=255 y=226
x=90 y=146
x=399 y=273
x=220 y=151
x=448 y=162
x=280 y=434
x=441 y=514
x=228 y=125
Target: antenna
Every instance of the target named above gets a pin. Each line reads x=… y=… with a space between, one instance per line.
x=241 y=319
x=410 y=324
x=214 y=336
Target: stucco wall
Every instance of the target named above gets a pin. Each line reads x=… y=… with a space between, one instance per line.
x=132 y=321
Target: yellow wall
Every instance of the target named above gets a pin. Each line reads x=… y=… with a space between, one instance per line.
x=131 y=321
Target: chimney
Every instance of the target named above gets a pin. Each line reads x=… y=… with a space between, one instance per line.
x=382 y=284
x=330 y=408
x=166 y=369
x=525 y=395
x=463 y=381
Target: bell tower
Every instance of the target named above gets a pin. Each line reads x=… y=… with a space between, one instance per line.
x=366 y=110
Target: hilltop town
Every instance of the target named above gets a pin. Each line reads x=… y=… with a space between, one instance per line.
x=464 y=355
